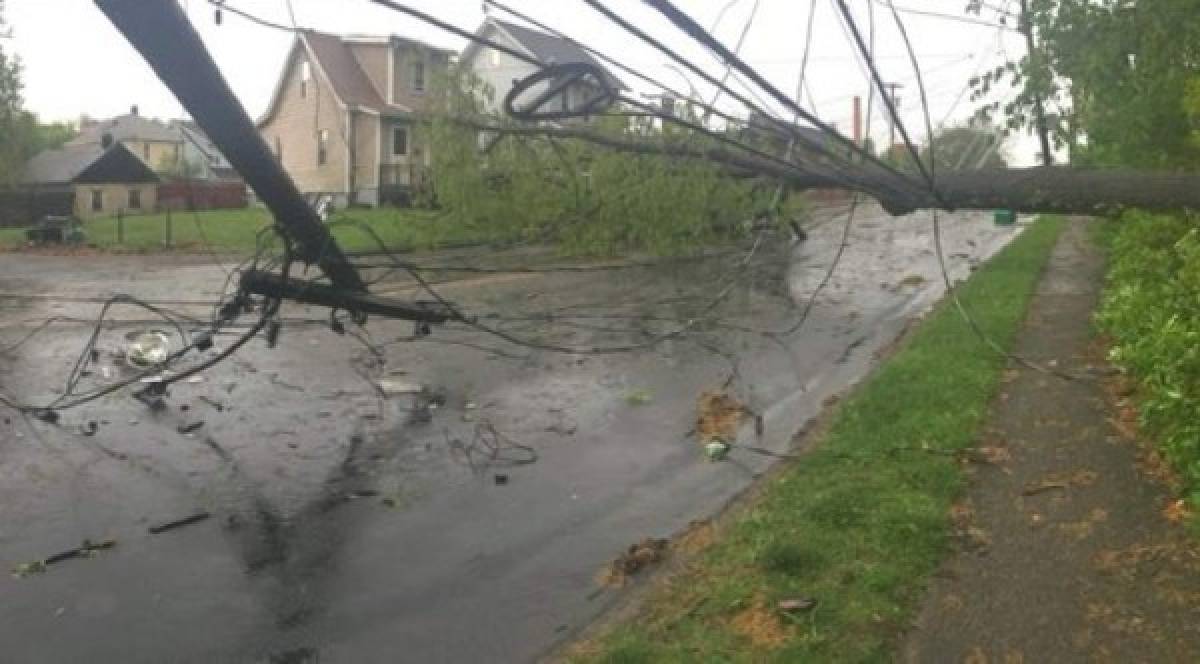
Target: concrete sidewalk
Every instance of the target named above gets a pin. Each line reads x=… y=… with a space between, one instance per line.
x=1067 y=555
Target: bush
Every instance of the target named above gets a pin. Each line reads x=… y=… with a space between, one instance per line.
x=1151 y=308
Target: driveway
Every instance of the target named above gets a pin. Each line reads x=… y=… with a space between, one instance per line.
x=465 y=523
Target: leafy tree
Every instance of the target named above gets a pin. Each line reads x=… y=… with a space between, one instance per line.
x=49 y=136
x=1119 y=80
x=966 y=148
x=21 y=136
x=585 y=198
x=13 y=124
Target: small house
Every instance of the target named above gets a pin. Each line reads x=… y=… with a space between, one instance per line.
x=103 y=180
x=500 y=71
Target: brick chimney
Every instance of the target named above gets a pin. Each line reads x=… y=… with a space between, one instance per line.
x=133 y=110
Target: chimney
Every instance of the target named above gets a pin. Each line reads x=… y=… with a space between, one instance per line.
x=668 y=104
x=133 y=110
x=858 y=138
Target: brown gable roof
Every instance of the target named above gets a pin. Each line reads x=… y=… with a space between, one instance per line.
x=335 y=61
x=344 y=73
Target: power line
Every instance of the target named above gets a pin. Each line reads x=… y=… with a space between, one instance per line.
x=947 y=17
x=697 y=33
x=835 y=170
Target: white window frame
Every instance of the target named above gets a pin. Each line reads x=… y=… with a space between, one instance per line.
x=305 y=77
x=322 y=147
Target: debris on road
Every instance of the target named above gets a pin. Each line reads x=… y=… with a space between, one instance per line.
x=562 y=430
x=147 y=349
x=393 y=388
x=276 y=380
x=719 y=416
x=48 y=416
x=490 y=448
x=217 y=405
x=85 y=550
x=639 y=398
x=190 y=427
x=716 y=450
x=637 y=557
x=178 y=523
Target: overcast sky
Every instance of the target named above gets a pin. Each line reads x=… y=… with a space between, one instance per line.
x=75 y=62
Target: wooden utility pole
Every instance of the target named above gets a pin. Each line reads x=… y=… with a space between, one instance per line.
x=892 y=88
x=1039 y=111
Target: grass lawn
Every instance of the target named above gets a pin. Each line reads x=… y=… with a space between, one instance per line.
x=861 y=521
x=235 y=230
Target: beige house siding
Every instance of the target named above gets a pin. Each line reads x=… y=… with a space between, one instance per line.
x=404 y=91
x=114 y=199
x=296 y=125
x=159 y=155
x=366 y=157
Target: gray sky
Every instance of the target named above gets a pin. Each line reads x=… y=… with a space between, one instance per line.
x=75 y=62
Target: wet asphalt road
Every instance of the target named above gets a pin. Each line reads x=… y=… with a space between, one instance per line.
x=348 y=527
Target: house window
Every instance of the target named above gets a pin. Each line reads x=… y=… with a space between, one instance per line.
x=135 y=199
x=146 y=152
x=418 y=76
x=305 y=75
x=322 y=147
x=97 y=200
x=494 y=57
x=399 y=141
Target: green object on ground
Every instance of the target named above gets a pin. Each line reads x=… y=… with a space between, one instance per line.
x=861 y=521
x=716 y=450
x=1004 y=217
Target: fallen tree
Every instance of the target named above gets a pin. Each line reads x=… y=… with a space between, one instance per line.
x=1058 y=189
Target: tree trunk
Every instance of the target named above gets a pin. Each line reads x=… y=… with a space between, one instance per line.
x=1066 y=190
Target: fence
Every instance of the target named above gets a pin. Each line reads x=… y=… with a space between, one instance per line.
x=24 y=207
x=201 y=195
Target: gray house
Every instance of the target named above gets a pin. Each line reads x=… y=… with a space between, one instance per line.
x=499 y=71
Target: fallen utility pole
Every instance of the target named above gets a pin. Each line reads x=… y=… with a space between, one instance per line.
x=273 y=285
x=161 y=32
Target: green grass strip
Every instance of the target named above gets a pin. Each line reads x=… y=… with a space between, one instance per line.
x=236 y=230
x=861 y=522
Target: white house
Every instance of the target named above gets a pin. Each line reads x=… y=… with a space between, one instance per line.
x=499 y=71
